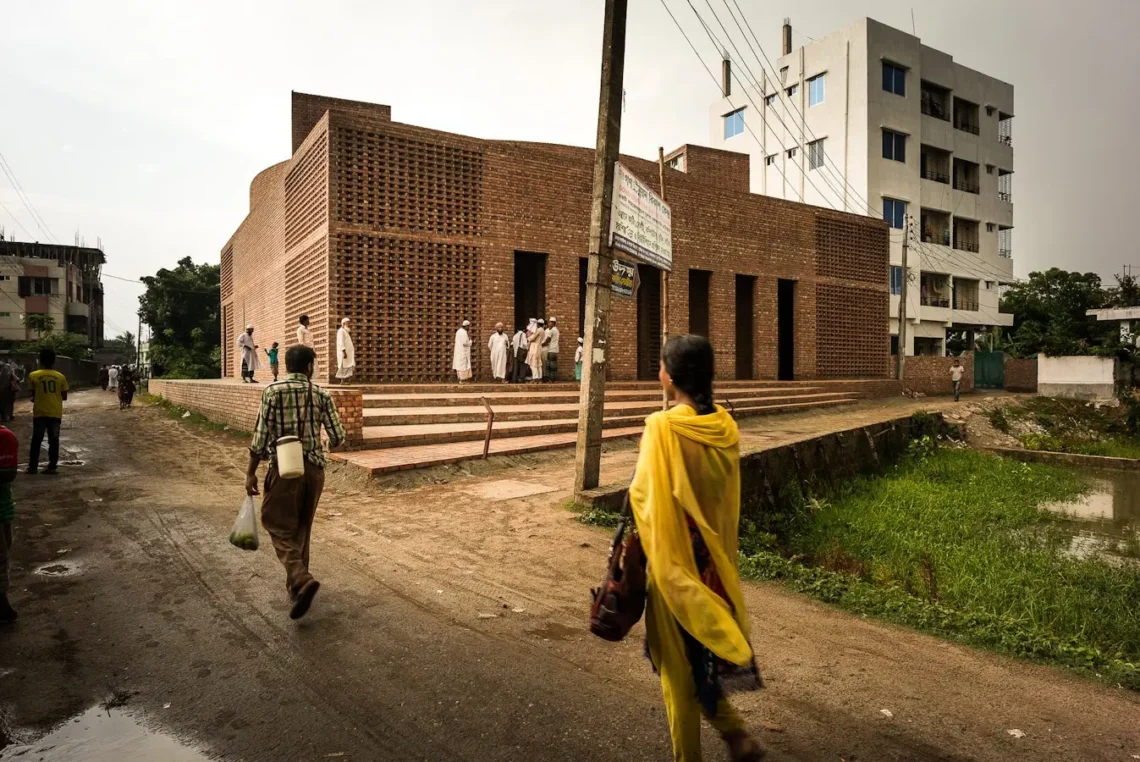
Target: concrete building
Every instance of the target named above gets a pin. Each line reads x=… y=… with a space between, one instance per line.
x=870 y=120
x=408 y=231
x=62 y=282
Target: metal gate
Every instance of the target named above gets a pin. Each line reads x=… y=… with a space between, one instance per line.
x=989 y=370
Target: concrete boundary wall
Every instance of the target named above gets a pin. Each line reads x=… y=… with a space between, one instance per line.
x=1081 y=377
x=771 y=476
x=236 y=404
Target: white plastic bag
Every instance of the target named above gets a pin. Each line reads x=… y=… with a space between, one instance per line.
x=244 y=533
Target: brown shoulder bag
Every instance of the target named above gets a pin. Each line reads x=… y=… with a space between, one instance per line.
x=620 y=601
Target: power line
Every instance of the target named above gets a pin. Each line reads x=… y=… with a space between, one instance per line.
x=141 y=282
x=36 y=217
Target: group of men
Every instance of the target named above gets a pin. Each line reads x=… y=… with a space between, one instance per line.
x=531 y=354
x=247 y=351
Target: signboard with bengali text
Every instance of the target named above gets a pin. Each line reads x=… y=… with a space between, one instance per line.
x=624 y=275
x=641 y=223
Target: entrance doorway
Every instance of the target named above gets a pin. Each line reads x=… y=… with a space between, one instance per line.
x=785 y=330
x=699 y=302
x=648 y=322
x=530 y=287
x=583 y=272
x=745 y=327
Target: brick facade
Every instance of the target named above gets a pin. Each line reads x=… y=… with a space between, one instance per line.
x=931 y=375
x=236 y=405
x=408 y=231
x=1020 y=375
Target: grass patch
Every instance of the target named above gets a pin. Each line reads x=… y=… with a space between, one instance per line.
x=1112 y=447
x=953 y=542
x=595 y=517
x=194 y=420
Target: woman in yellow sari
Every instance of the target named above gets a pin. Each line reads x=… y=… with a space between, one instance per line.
x=686 y=502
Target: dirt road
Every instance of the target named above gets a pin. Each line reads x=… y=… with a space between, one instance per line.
x=449 y=627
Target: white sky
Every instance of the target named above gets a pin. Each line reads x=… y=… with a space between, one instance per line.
x=144 y=122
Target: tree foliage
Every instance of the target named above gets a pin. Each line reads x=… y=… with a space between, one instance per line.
x=64 y=344
x=41 y=324
x=1049 y=314
x=181 y=307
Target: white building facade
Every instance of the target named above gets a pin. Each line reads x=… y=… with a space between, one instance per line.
x=870 y=120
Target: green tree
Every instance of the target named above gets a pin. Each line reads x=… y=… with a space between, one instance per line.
x=41 y=324
x=181 y=307
x=1050 y=314
x=64 y=344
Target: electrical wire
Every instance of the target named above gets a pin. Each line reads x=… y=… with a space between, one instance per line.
x=23 y=196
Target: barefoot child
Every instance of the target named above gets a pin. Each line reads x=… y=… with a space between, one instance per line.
x=273 y=367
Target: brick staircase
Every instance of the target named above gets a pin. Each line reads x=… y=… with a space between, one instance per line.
x=425 y=425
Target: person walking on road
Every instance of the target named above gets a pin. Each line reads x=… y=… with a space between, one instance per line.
x=956 y=371
x=293 y=406
x=685 y=498
x=345 y=352
x=500 y=345
x=49 y=392
x=461 y=357
x=113 y=378
x=127 y=387
x=104 y=377
x=550 y=366
x=248 y=352
x=519 y=347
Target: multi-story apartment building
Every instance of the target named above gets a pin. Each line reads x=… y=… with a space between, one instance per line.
x=62 y=282
x=870 y=120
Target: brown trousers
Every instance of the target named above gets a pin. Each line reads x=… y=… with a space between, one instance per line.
x=287 y=512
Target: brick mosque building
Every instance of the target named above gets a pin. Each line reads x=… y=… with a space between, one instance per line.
x=409 y=231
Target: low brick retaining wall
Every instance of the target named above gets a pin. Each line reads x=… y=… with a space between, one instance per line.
x=772 y=475
x=236 y=404
x=931 y=375
x=1020 y=375
x=1069 y=459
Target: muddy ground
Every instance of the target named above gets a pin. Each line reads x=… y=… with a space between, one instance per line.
x=450 y=626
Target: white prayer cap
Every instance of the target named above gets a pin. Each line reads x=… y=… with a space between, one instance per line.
x=579 y=339
x=466 y=323
x=541 y=321
x=249 y=327
x=553 y=320
x=344 y=320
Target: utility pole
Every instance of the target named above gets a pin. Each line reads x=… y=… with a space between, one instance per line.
x=138 y=344
x=588 y=453
x=903 y=296
x=664 y=276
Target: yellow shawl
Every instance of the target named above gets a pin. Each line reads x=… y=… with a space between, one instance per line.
x=662 y=494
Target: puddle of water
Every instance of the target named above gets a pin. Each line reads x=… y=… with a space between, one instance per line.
x=101 y=736
x=58 y=569
x=1106 y=521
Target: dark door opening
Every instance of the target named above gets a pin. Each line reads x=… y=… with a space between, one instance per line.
x=530 y=287
x=699 y=302
x=745 y=327
x=648 y=322
x=583 y=271
x=786 y=330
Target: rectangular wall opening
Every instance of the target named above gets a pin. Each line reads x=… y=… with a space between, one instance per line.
x=530 y=286
x=583 y=272
x=648 y=322
x=745 y=328
x=699 y=281
x=786 y=330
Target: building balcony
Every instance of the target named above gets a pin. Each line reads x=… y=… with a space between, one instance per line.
x=937 y=176
x=934 y=301
x=967 y=186
x=79 y=309
x=936 y=237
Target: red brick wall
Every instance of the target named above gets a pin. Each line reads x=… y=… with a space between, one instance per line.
x=423 y=226
x=1020 y=375
x=307 y=110
x=237 y=404
x=931 y=375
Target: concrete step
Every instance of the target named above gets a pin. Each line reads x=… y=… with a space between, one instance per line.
x=539 y=410
x=387 y=436
x=560 y=386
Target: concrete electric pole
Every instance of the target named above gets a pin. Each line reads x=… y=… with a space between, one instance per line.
x=588 y=454
x=664 y=278
x=903 y=296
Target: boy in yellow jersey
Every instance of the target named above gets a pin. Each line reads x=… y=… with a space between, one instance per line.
x=49 y=390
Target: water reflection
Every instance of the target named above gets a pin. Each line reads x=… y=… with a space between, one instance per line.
x=101 y=736
x=1106 y=521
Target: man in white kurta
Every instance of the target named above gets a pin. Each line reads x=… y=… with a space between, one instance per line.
x=519 y=347
x=248 y=352
x=500 y=347
x=461 y=358
x=345 y=353
x=305 y=336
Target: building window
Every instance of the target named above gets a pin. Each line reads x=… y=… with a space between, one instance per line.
x=5 y=277
x=769 y=160
x=990 y=110
x=894 y=212
x=815 y=90
x=894 y=79
x=989 y=227
x=37 y=286
x=793 y=90
x=896 y=281
x=5 y=314
x=894 y=146
x=815 y=154
x=791 y=153
x=733 y=123
x=770 y=100
x=989 y=285
x=989 y=169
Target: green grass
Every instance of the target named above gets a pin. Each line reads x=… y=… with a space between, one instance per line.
x=953 y=542
x=1110 y=447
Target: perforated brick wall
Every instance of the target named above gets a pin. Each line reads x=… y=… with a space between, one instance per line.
x=844 y=346
x=306 y=192
x=849 y=250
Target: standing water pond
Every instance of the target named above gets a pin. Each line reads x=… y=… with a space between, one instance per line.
x=975 y=548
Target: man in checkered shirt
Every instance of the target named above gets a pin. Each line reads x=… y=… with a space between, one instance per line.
x=293 y=406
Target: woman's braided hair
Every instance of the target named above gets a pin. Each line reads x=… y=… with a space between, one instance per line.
x=689 y=362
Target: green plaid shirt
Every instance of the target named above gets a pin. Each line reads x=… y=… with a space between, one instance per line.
x=283 y=406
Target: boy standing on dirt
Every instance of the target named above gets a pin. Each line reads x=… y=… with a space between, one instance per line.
x=49 y=390
x=956 y=371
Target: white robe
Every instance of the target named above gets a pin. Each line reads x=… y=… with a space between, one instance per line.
x=305 y=336
x=498 y=346
x=345 y=354
x=247 y=352
x=461 y=358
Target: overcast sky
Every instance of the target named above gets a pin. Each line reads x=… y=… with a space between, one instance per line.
x=144 y=122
